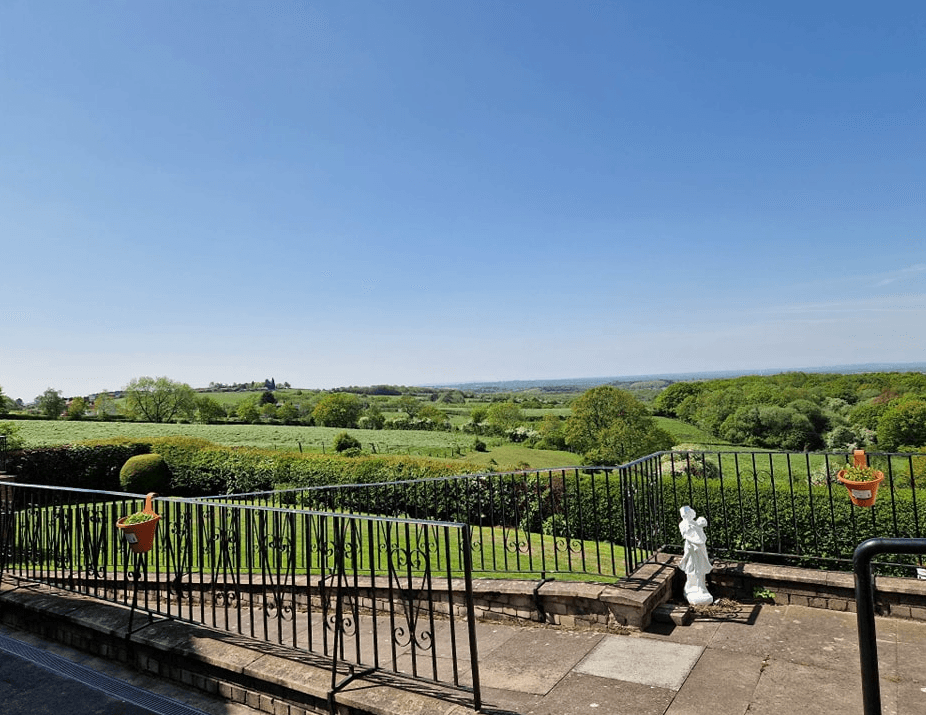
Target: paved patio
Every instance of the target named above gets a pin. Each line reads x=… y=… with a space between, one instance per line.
x=739 y=658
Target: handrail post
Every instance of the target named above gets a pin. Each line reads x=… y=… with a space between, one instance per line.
x=865 y=611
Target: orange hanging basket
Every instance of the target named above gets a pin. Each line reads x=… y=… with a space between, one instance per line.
x=140 y=534
x=862 y=493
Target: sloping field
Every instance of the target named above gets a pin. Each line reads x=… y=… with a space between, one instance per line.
x=446 y=445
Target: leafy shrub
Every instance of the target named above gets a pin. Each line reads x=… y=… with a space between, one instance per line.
x=11 y=432
x=344 y=441
x=694 y=464
x=145 y=473
x=93 y=465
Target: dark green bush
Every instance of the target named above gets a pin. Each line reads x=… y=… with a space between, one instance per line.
x=344 y=441
x=145 y=473
x=82 y=466
x=202 y=468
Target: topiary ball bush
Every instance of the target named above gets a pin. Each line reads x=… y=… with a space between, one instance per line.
x=145 y=473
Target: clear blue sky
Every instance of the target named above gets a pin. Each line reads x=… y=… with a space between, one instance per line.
x=351 y=192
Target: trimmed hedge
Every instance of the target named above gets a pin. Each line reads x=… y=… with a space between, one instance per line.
x=815 y=525
x=145 y=473
x=201 y=468
x=80 y=466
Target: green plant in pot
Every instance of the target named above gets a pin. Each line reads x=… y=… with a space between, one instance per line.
x=861 y=480
x=139 y=528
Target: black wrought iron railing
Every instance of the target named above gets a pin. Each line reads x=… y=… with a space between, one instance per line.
x=782 y=507
x=363 y=593
x=530 y=523
x=786 y=507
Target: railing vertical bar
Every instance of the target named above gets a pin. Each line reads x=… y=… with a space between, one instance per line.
x=471 y=617
x=429 y=590
x=793 y=502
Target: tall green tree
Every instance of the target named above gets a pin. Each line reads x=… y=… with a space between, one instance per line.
x=609 y=426
x=248 y=409
x=51 y=403
x=435 y=414
x=903 y=425
x=339 y=409
x=409 y=404
x=667 y=401
x=151 y=399
x=104 y=405
x=503 y=416
x=76 y=409
x=208 y=410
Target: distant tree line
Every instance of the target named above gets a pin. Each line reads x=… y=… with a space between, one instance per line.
x=806 y=411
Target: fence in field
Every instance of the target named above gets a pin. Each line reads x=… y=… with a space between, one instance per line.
x=357 y=591
x=780 y=507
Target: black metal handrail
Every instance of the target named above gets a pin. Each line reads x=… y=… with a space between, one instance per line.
x=358 y=591
x=865 y=611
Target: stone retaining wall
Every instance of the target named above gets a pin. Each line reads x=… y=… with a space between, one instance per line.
x=834 y=590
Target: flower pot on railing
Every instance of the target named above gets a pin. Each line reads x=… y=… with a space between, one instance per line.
x=861 y=480
x=139 y=528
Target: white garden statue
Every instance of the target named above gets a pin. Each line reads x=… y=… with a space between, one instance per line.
x=694 y=561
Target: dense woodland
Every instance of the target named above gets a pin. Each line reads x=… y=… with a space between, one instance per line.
x=806 y=411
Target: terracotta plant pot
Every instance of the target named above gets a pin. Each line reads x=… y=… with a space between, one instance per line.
x=140 y=536
x=862 y=493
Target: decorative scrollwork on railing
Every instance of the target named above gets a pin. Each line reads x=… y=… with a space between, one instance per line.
x=180 y=556
x=276 y=544
x=93 y=528
x=226 y=530
x=225 y=598
x=516 y=541
x=30 y=536
x=402 y=637
x=568 y=544
x=346 y=624
x=340 y=609
x=60 y=535
x=409 y=562
x=278 y=606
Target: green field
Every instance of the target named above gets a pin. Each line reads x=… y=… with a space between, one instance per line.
x=446 y=445
x=685 y=433
x=295 y=438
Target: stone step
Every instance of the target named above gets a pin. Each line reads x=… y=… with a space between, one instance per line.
x=674 y=613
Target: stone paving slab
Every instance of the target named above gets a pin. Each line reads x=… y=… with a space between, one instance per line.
x=583 y=694
x=722 y=683
x=534 y=660
x=755 y=635
x=795 y=688
x=645 y=661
